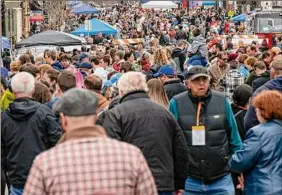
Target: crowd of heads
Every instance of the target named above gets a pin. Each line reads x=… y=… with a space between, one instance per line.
x=167 y=35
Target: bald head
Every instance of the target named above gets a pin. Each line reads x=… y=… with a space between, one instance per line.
x=276 y=68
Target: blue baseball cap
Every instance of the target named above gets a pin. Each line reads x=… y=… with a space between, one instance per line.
x=85 y=65
x=113 y=80
x=83 y=55
x=165 y=70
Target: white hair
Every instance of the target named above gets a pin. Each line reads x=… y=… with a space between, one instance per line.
x=23 y=82
x=132 y=81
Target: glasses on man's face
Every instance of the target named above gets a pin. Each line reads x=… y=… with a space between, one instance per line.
x=201 y=80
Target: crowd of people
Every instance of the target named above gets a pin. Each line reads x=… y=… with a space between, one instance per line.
x=180 y=114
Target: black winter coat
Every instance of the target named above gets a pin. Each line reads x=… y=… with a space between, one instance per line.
x=174 y=87
x=179 y=58
x=152 y=128
x=261 y=80
x=28 y=128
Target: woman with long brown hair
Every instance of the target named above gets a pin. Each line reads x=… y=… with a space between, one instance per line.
x=157 y=93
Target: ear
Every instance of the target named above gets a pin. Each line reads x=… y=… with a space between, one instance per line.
x=95 y=118
x=187 y=83
x=64 y=122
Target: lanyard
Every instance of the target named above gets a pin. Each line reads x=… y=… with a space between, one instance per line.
x=198 y=113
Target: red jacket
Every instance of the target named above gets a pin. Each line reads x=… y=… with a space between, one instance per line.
x=116 y=66
x=146 y=65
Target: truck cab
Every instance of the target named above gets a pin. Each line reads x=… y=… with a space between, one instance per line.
x=267 y=24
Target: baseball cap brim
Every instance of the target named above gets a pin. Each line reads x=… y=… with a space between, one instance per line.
x=193 y=77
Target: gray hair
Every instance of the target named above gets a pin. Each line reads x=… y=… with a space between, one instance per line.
x=23 y=82
x=77 y=102
x=132 y=81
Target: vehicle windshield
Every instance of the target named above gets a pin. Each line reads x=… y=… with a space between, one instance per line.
x=269 y=25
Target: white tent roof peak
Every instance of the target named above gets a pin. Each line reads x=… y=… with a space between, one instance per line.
x=160 y=4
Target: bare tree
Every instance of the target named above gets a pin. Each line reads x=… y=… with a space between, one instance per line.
x=57 y=13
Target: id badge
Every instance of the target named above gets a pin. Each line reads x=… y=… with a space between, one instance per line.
x=198 y=136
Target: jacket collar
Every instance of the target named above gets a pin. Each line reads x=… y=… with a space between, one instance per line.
x=23 y=99
x=133 y=95
x=172 y=81
x=84 y=132
x=204 y=99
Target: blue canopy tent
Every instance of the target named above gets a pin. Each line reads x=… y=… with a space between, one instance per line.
x=97 y=26
x=77 y=5
x=239 y=18
x=85 y=9
x=5 y=43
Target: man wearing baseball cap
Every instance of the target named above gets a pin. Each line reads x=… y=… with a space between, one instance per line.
x=172 y=84
x=210 y=129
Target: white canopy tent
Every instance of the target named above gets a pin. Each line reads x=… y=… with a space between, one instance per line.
x=160 y=5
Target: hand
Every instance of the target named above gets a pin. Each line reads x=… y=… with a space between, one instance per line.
x=178 y=192
x=240 y=186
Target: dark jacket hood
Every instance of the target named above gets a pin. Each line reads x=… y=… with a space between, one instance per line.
x=275 y=84
x=57 y=65
x=22 y=108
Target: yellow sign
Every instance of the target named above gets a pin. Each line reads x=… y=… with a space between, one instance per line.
x=230 y=13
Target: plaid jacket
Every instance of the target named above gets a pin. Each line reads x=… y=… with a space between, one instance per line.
x=233 y=79
x=91 y=166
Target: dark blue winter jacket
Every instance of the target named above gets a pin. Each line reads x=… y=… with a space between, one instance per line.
x=251 y=118
x=58 y=66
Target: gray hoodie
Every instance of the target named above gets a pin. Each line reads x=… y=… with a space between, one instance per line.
x=198 y=46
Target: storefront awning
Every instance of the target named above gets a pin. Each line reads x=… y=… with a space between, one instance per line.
x=36 y=18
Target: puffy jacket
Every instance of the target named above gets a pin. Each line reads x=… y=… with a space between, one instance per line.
x=28 y=128
x=260 y=159
x=251 y=117
x=207 y=162
x=139 y=121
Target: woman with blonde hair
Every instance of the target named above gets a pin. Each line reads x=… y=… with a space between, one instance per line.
x=161 y=57
x=260 y=157
x=157 y=93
